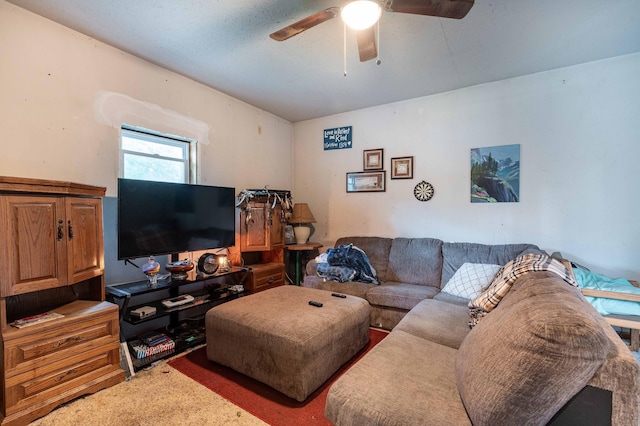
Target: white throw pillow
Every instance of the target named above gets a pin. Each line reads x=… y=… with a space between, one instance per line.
x=470 y=279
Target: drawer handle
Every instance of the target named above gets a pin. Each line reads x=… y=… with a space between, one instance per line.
x=67 y=340
x=65 y=374
x=70 y=231
x=271 y=280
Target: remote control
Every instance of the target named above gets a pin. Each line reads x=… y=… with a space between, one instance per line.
x=177 y=301
x=316 y=304
x=342 y=296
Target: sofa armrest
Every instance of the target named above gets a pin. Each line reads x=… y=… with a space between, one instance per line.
x=311 y=268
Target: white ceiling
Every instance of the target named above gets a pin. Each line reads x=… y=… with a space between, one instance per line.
x=225 y=44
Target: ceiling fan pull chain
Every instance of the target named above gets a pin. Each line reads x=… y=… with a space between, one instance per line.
x=378 y=62
x=344 y=47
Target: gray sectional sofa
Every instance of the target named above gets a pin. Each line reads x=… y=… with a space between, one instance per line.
x=411 y=270
x=542 y=356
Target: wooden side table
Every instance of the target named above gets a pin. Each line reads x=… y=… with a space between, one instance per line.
x=298 y=248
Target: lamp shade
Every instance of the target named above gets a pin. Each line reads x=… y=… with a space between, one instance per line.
x=302 y=214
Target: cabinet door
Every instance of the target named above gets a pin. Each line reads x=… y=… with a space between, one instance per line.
x=253 y=232
x=33 y=253
x=277 y=228
x=264 y=231
x=83 y=228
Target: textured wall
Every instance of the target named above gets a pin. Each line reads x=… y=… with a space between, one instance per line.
x=65 y=95
x=580 y=143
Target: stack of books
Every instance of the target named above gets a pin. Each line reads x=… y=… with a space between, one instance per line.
x=151 y=344
x=36 y=319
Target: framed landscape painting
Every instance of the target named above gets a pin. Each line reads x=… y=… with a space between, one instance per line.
x=495 y=174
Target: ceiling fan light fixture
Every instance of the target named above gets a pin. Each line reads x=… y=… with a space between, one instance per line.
x=361 y=14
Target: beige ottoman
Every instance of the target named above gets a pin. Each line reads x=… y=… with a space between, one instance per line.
x=277 y=338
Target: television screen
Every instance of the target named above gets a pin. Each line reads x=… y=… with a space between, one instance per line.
x=157 y=218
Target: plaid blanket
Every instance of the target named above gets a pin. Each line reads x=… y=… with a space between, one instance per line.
x=507 y=275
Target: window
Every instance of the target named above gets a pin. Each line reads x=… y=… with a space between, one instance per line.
x=148 y=155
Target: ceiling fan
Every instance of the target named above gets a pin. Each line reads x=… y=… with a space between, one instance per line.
x=369 y=14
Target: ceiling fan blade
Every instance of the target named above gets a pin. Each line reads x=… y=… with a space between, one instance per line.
x=367 y=44
x=456 y=9
x=306 y=23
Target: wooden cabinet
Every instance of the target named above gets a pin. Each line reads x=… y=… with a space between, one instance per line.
x=261 y=222
x=53 y=261
x=265 y=276
x=51 y=241
x=264 y=230
x=60 y=360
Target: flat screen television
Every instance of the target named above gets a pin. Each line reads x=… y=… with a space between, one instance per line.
x=156 y=218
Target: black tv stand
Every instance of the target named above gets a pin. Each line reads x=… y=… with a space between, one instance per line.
x=183 y=324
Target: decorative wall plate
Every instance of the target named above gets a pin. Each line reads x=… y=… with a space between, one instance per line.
x=423 y=191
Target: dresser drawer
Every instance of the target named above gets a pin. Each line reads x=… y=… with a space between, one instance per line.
x=48 y=363
x=35 y=346
x=265 y=276
x=62 y=377
x=32 y=351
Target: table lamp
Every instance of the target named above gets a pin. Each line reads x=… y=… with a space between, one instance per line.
x=301 y=217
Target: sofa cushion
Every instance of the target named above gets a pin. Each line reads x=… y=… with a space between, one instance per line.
x=350 y=287
x=415 y=261
x=455 y=254
x=437 y=321
x=403 y=380
x=524 y=362
x=399 y=295
x=471 y=279
x=450 y=298
x=376 y=249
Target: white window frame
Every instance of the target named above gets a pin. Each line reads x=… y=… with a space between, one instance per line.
x=189 y=147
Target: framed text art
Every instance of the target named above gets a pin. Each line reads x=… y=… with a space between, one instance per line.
x=373 y=159
x=366 y=181
x=402 y=168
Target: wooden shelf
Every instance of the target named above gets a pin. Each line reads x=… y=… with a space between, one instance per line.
x=130 y=296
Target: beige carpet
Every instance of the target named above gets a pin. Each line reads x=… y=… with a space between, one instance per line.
x=158 y=396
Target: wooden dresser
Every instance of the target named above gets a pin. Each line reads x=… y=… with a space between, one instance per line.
x=265 y=276
x=53 y=261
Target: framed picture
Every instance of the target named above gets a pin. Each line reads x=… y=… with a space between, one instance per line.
x=366 y=181
x=402 y=168
x=495 y=174
x=373 y=159
x=289 y=235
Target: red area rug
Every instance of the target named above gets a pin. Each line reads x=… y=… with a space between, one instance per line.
x=259 y=399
